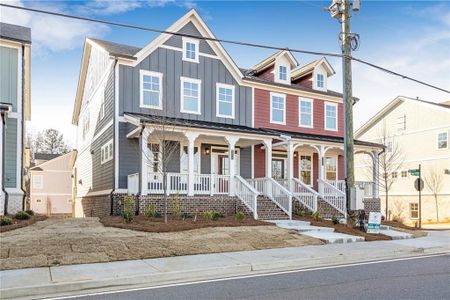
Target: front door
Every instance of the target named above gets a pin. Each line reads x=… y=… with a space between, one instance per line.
x=277 y=169
x=223 y=165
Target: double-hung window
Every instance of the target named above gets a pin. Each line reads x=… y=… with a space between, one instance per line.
x=306 y=112
x=151 y=89
x=320 y=81
x=277 y=108
x=331 y=168
x=190 y=49
x=331 y=116
x=282 y=73
x=190 y=95
x=414 y=210
x=106 y=152
x=225 y=100
x=442 y=140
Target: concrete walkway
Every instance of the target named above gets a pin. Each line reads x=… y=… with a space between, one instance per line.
x=76 y=279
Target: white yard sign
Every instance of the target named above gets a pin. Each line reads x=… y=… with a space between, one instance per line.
x=374 y=222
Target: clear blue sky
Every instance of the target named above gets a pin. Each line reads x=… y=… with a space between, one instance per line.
x=410 y=37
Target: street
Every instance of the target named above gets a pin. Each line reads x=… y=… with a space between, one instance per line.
x=418 y=278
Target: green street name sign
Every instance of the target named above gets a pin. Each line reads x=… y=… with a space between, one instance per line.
x=414 y=172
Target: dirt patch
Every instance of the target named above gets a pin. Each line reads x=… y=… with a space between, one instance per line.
x=143 y=223
x=343 y=228
x=21 y=223
x=77 y=241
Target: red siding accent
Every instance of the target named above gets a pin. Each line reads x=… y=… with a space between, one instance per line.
x=296 y=166
x=341 y=167
x=267 y=74
x=315 y=170
x=262 y=115
x=304 y=81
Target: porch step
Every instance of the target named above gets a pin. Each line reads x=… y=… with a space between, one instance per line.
x=267 y=210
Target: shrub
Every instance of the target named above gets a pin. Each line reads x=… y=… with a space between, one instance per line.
x=301 y=213
x=335 y=220
x=21 y=215
x=30 y=212
x=150 y=212
x=239 y=216
x=212 y=215
x=5 y=221
x=128 y=208
x=176 y=209
x=316 y=216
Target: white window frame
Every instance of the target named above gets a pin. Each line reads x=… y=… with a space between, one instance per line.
x=437 y=140
x=311 y=101
x=225 y=86
x=271 y=108
x=325 y=116
x=279 y=73
x=336 y=159
x=41 y=185
x=318 y=81
x=107 y=152
x=413 y=210
x=197 y=49
x=199 y=107
x=141 y=83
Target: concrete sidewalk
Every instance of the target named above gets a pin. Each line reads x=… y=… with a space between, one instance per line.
x=77 y=279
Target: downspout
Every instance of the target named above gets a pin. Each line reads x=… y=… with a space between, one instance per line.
x=114 y=126
x=23 y=129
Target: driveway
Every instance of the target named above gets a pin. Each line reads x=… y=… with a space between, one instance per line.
x=86 y=240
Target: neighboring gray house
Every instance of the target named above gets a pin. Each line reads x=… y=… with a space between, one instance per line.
x=186 y=94
x=15 y=42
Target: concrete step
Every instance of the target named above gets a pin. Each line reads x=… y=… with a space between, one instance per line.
x=334 y=237
x=396 y=235
x=315 y=228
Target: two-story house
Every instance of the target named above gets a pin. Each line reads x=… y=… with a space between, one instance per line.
x=261 y=138
x=15 y=42
x=415 y=132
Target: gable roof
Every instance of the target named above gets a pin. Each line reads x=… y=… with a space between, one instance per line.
x=116 y=49
x=269 y=61
x=72 y=155
x=399 y=99
x=309 y=68
x=15 y=33
x=45 y=156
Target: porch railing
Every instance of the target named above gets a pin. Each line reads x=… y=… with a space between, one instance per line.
x=274 y=191
x=304 y=193
x=367 y=187
x=247 y=194
x=339 y=184
x=333 y=196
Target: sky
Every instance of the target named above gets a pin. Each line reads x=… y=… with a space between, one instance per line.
x=409 y=37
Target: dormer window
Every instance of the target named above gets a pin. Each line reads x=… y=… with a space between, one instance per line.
x=190 y=50
x=320 y=81
x=282 y=73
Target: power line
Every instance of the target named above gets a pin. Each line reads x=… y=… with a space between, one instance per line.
x=222 y=41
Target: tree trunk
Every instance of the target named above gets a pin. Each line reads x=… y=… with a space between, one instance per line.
x=437 y=208
x=387 y=204
x=165 y=196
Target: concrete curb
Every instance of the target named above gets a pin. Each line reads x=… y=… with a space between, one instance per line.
x=241 y=269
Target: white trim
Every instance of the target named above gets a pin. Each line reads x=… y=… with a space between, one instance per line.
x=199 y=97
x=116 y=127
x=277 y=73
x=49 y=194
x=253 y=107
x=437 y=140
x=19 y=156
x=97 y=193
x=325 y=116
x=233 y=100
x=143 y=73
x=253 y=161
x=105 y=154
x=311 y=101
x=283 y=96
x=187 y=40
x=181 y=50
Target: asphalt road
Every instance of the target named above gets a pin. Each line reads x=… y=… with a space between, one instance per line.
x=422 y=278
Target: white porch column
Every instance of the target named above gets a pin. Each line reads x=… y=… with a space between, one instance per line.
x=321 y=167
x=376 y=176
x=290 y=160
x=145 y=159
x=268 y=151
x=2 y=196
x=232 y=140
x=191 y=136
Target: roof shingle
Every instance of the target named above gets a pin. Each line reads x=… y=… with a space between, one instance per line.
x=15 y=33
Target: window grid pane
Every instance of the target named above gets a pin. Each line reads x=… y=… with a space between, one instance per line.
x=330 y=114
x=277 y=109
x=283 y=73
x=305 y=113
x=225 y=101
x=190 y=96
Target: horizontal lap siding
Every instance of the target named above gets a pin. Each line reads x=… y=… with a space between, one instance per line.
x=8 y=76
x=262 y=115
x=10 y=162
x=129 y=155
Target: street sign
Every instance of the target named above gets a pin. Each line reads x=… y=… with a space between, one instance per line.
x=414 y=172
x=374 y=223
x=418 y=184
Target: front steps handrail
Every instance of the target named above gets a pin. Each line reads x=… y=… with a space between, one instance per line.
x=247 y=194
x=305 y=194
x=333 y=196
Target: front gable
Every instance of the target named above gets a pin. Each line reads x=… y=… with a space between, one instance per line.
x=189 y=29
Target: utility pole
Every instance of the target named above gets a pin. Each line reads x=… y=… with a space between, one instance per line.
x=340 y=10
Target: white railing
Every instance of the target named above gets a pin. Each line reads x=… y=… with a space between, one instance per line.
x=133 y=184
x=275 y=192
x=155 y=183
x=304 y=193
x=221 y=184
x=258 y=184
x=202 y=184
x=367 y=187
x=247 y=194
x=177 y=183
x=333 y=196
x=339 y=184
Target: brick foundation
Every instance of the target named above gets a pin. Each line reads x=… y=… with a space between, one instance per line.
x=327 y=211
x=93 y=206
x=223 y=204
x=372 y=205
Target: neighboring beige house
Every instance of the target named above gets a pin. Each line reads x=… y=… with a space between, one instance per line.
x=419 y=131
x=51 y=185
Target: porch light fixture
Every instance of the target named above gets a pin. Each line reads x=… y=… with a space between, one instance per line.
x=207 y=151
x=295 y=154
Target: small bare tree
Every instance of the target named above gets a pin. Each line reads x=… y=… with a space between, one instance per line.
x=434 y=180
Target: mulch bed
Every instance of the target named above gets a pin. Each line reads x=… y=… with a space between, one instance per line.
x=142 y=223
x=398 y=225
x=22 y=223
x=344 y=228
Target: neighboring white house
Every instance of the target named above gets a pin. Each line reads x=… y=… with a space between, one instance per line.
x=420 y=131
x=51 y=185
